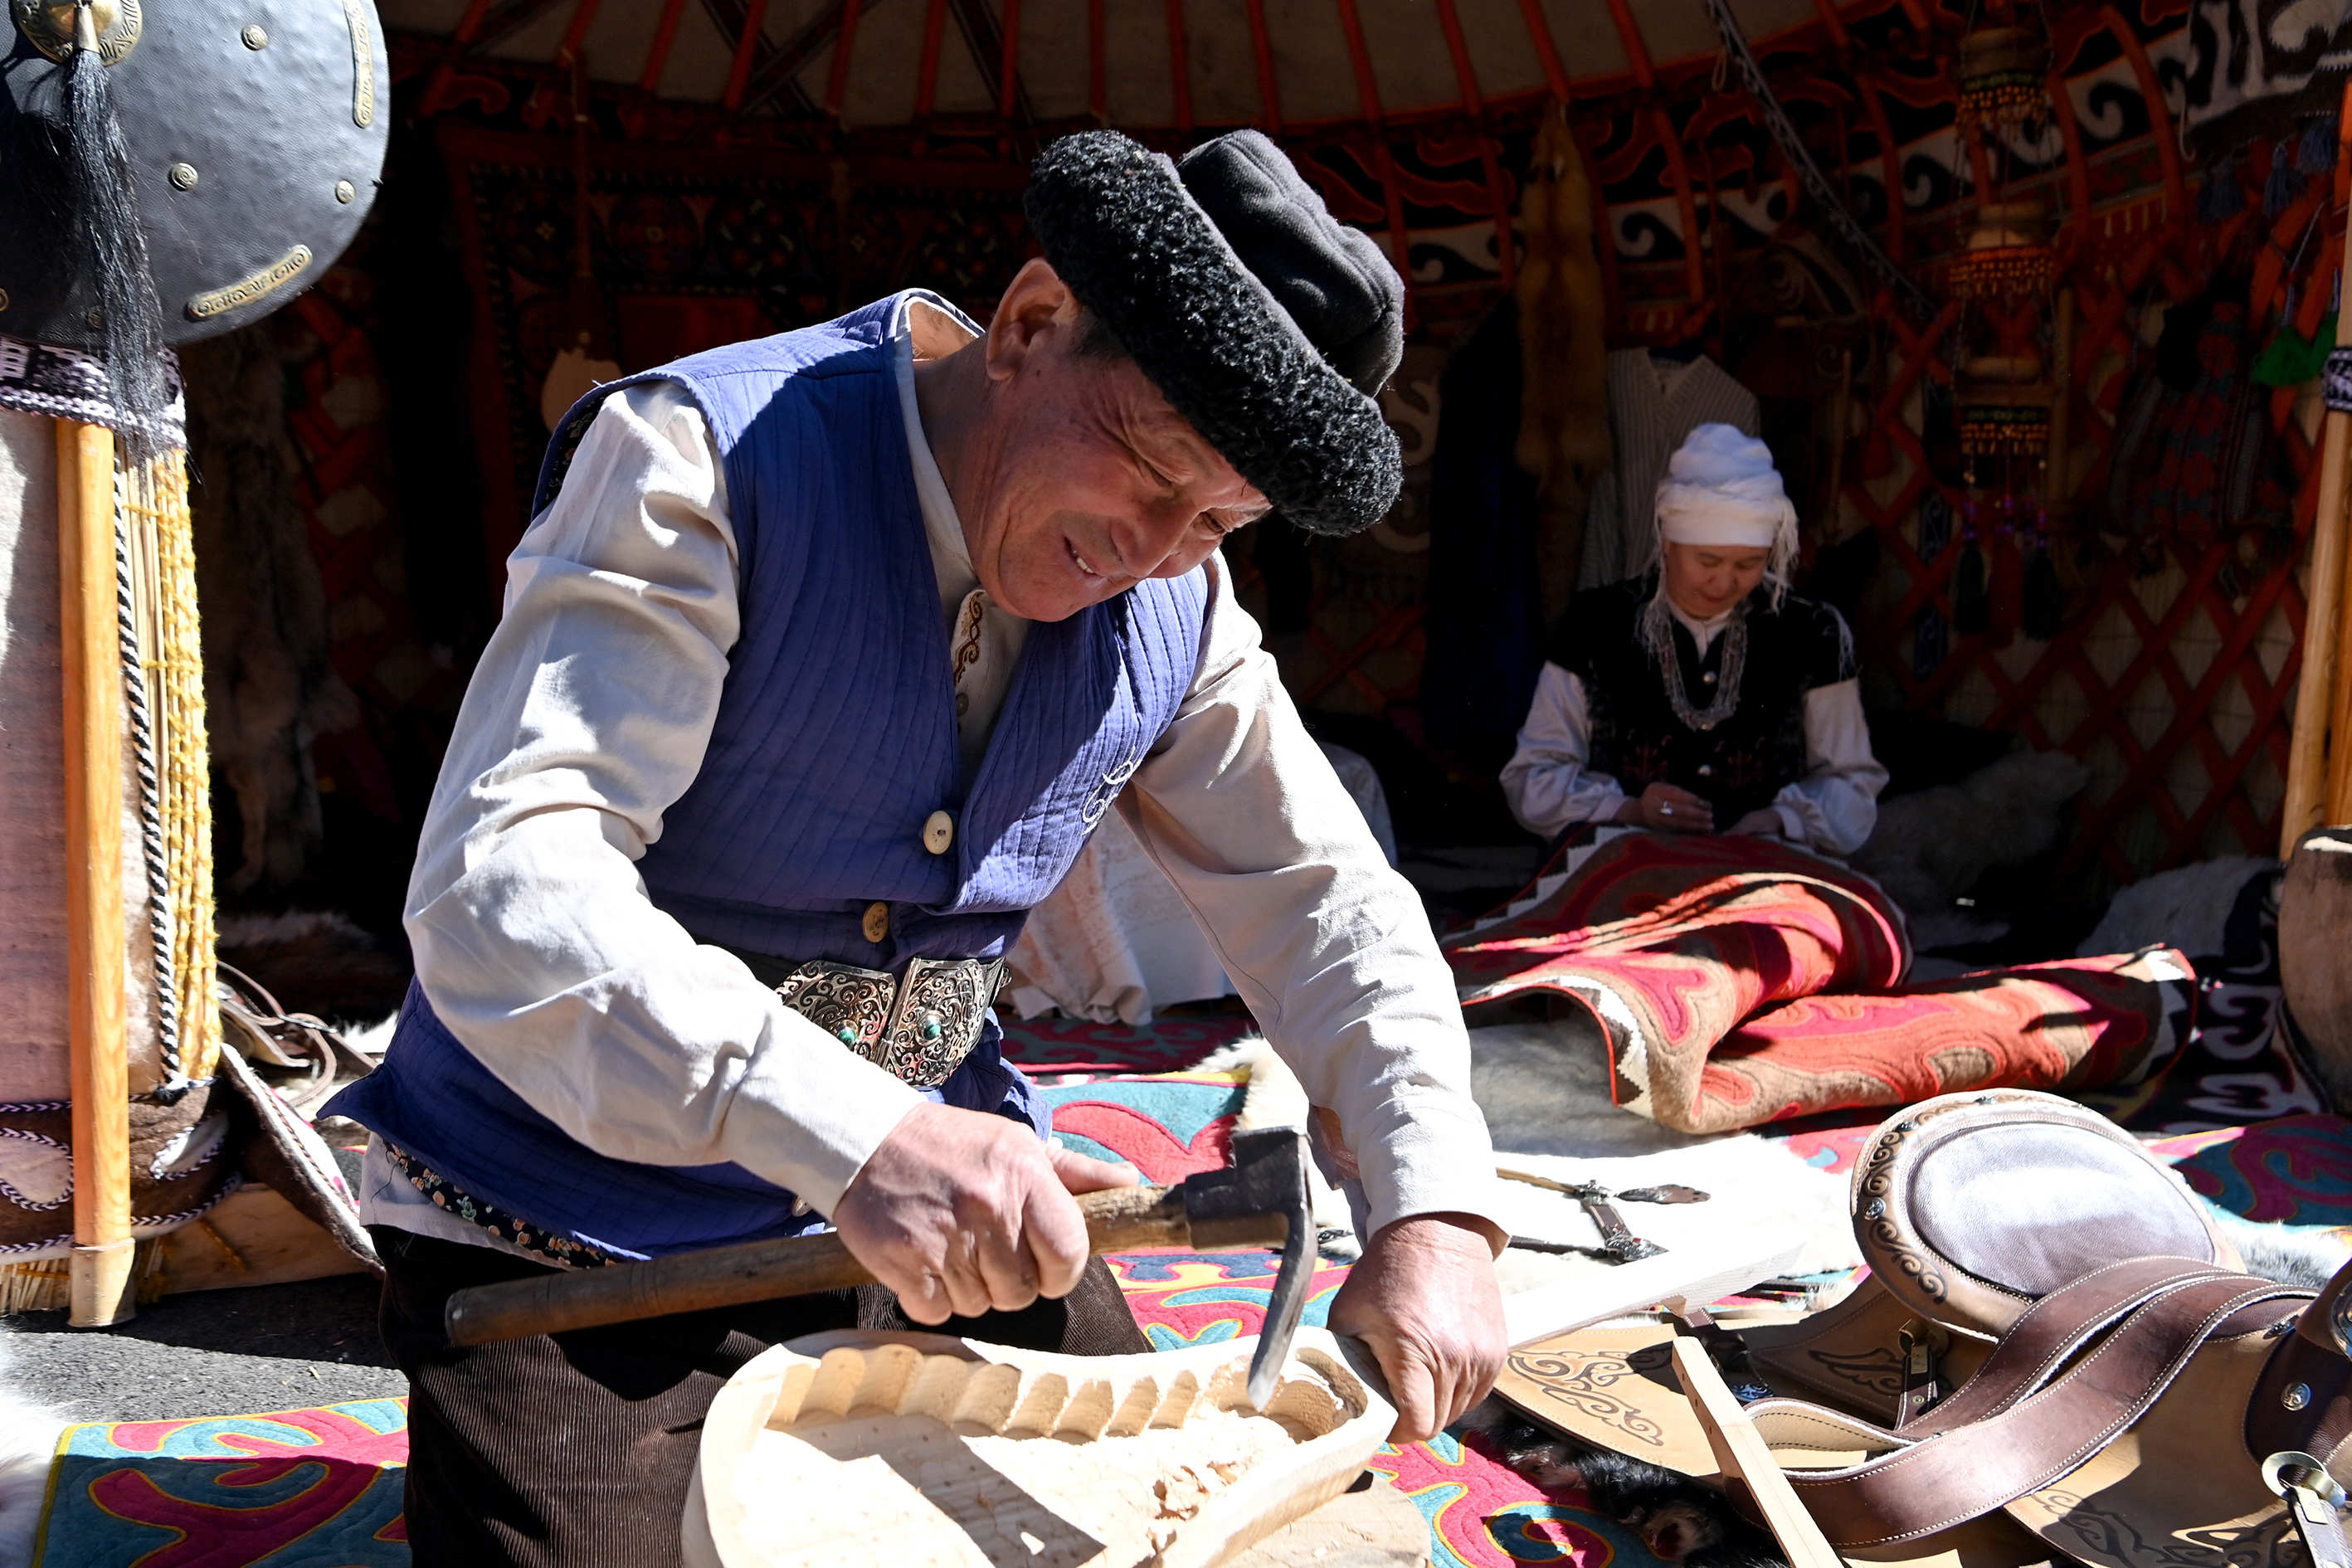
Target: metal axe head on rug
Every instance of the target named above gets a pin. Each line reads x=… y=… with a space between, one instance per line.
x=1258 y=1200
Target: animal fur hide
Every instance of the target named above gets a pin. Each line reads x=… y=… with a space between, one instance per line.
x=1547 y=1107
x=28 y=1443
x=269 y=686
x=1563 y=353
x=1930 y=847
x=2184 y=908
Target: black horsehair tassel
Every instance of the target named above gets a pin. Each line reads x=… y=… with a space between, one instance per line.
x=1971 y=597
x=114 y=242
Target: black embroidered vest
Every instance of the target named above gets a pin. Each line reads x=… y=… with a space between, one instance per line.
x=1738 y=765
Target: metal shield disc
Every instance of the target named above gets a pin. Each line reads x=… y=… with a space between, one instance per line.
x=256 y=133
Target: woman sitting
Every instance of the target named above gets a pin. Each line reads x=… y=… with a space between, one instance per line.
x=1704 y=697
x=1697 y=747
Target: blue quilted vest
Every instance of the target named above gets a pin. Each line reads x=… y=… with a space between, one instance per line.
x=835 y=740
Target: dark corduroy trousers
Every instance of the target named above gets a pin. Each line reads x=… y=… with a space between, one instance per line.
x=575 y=1450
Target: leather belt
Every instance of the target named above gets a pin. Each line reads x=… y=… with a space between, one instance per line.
x=918 y=1026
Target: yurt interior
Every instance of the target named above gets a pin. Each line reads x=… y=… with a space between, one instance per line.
x=2031 y=304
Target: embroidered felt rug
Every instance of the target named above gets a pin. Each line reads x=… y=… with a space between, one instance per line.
x=1739 y=981
x=320 y=1488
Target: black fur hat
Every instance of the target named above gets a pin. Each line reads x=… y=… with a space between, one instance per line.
x=1264 y=321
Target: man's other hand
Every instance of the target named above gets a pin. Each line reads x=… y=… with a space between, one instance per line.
x=1424 y=1298
x=960 y=1213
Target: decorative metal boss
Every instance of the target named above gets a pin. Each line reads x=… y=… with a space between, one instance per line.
x=248 y=145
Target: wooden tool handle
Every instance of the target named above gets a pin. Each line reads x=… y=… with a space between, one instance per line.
x=1121 y=1219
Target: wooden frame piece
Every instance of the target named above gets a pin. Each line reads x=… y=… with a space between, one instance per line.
x=1739 y=1450
x=932 y=1449
x=96 y=1007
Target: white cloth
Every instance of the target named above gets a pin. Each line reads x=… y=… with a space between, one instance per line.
x=590 y=714
x=1832 y=809
x=1721 y=488
x=1652 y=405
x=1114 y=941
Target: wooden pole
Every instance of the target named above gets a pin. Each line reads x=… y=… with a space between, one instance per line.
x=92 y=660
x=2312 y=785
x=1739 y=1450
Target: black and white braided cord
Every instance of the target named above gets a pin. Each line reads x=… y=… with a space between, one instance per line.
x=150 y=800
x=1801 y=158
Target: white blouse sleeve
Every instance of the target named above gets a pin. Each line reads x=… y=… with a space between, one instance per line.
x=1834 y=807
x=1545 y=781
x=1328 y=945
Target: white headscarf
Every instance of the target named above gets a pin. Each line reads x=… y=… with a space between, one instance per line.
x=1721 y=488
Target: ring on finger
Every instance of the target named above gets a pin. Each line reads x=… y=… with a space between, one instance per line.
x=1666 y=811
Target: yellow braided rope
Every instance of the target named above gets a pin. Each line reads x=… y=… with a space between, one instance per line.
x=158 y=505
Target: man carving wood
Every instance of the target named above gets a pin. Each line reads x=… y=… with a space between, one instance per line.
x=820 y=658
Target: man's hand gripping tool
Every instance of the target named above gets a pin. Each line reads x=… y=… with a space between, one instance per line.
x=1259 y=1200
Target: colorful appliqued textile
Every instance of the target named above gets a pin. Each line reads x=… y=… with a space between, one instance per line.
x=1739 y=981
x=295 y=1487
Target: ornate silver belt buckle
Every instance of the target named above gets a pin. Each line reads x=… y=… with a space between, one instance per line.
x=942 y=1007
x=919 y=1028
x=850 y=1004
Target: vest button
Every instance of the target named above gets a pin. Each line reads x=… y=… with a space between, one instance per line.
x=939 y=832
x=1705 y=770
x=877 y=921
x=1708 y=677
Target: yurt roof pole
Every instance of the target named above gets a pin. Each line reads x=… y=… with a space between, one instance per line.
x=1008 y=63
x=837 y=81
x=1368 y=96
x=658 y=52
x=1890 y=157
x=583 y=17
x=1269 y=92
x=926 y=74
x=1646 y=76
x=2313 y=790
x=739 y=74
x=97 y=1025
x=1474 y=105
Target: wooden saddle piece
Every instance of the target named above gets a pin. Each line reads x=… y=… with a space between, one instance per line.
x=862 y=1447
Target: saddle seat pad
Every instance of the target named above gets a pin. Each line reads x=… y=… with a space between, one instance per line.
x=1970 y=1207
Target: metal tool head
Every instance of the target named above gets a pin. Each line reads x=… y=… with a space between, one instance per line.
x=1266 y=1180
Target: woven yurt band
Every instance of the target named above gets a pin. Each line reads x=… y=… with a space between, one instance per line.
x=2335 y=380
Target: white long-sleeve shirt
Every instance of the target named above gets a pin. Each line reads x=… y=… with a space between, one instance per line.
x=590 y=714
x=1832 y=809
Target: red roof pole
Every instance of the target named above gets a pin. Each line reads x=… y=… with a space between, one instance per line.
x=1539 y=31
x=1368 y=94
x=1473 y=104
x=573 y=35
x=1637 y=53
x=1008 y=81
x=1269 y=96
x=658 y=56
x=927 y=75
x=745 y=46
x=837 y=79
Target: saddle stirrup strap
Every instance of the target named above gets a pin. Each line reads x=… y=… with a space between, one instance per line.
x=1962 y=1472
x=2314 y=1501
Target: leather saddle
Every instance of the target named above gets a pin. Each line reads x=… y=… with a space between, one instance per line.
x=2054 y=1335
